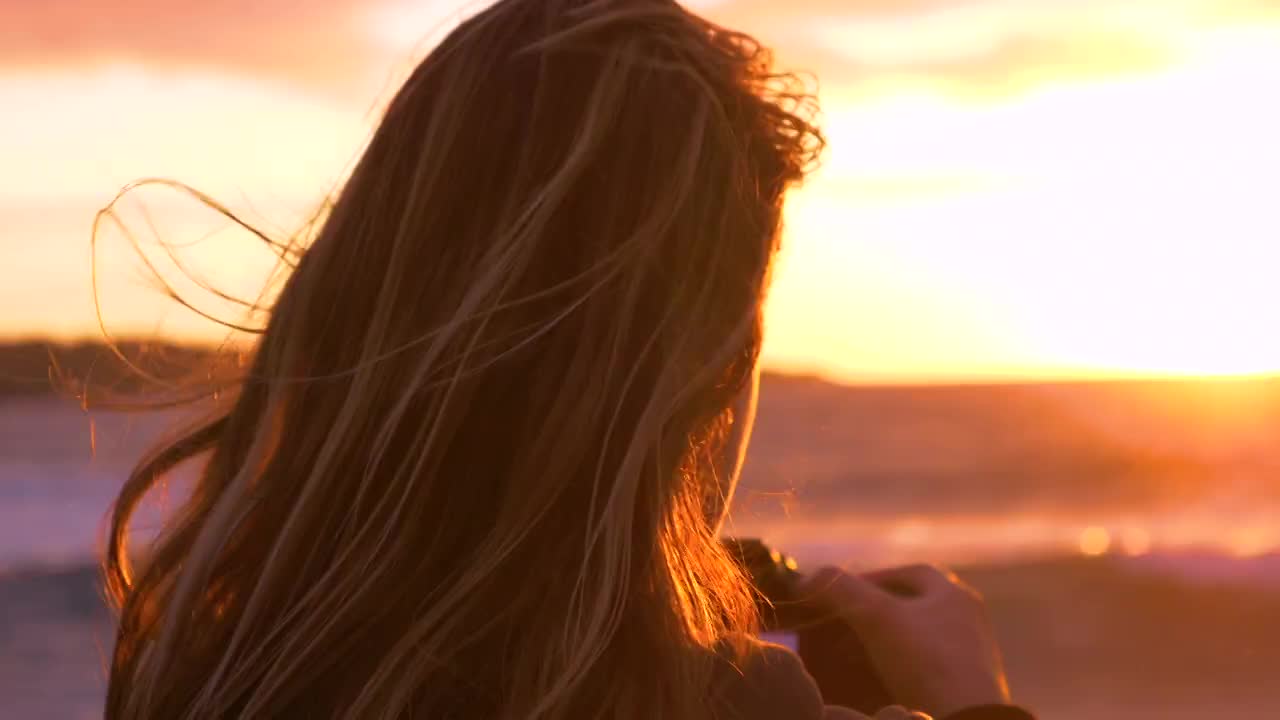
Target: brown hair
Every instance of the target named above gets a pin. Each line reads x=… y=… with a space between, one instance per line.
x=465 y=472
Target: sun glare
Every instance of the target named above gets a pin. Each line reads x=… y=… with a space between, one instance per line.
x=1252 y=541
x=1119 y=227
x=1095 y=541
x=1135 y=542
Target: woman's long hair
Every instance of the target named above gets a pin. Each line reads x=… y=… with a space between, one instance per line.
x=465 y=471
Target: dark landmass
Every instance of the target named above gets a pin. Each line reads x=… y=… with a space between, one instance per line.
x=38 y=368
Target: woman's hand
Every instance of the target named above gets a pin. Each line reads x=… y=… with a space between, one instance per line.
x=926 y=632
x=895 y=712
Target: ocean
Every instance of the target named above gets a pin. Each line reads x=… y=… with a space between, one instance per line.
x=1124 y=535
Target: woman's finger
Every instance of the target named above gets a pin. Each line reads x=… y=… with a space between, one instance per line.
x=838 y=589
x=912 y=580
x=897 y=712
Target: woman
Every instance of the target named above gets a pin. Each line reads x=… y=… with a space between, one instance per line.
x=477 y=465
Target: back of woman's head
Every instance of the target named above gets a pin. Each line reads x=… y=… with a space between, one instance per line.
x=467 y=470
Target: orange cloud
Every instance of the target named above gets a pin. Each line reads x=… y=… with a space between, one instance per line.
x=862 y=9
x=964 y=46
x=1012 y=64
x=1256 y=9
x=1025 y=60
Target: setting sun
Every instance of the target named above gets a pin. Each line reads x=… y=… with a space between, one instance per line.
x=1119 y=227
x=1095 y=541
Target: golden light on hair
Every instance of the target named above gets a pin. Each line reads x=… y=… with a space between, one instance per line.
x=564 y=194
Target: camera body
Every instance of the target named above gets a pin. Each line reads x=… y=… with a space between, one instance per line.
x=832 y=652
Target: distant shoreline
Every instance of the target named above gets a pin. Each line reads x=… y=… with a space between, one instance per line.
x=44 y=368
x=1199 y=567
x=34 y=367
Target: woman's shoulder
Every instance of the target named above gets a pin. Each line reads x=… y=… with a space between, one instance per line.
x=769 y=682
x=763 y=681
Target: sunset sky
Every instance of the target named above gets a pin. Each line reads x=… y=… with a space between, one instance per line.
x=1014 y=188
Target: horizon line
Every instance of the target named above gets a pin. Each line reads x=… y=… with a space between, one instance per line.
x=1030 y=377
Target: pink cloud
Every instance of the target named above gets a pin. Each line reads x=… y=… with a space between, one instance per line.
x=318 y=41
